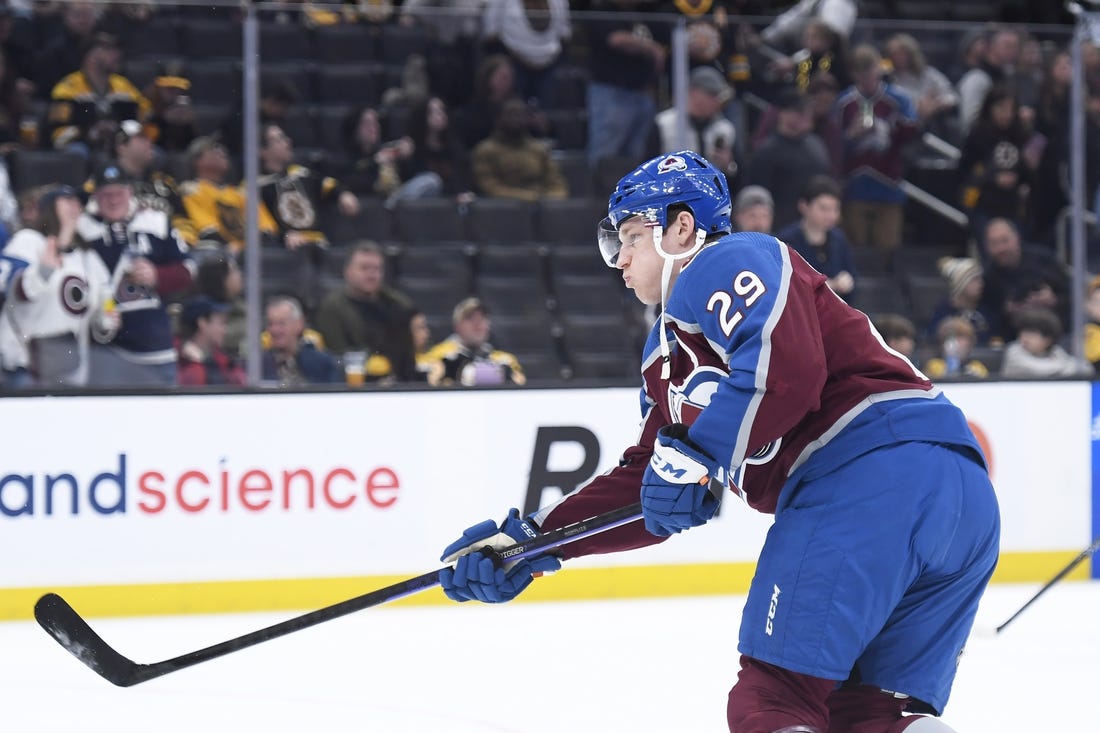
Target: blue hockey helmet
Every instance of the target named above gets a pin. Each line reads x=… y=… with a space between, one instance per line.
x=650 y=189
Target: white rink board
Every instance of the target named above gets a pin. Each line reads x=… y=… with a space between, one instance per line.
x=456 y=457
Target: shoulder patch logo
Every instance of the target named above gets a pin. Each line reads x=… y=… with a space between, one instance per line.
x=672 y=163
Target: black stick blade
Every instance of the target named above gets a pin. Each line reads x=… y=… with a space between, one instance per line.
x=57 y=617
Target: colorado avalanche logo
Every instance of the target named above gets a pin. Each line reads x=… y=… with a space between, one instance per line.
x=672 y=163
x=688 y=398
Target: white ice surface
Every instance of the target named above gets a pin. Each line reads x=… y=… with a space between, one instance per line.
x=520 y=668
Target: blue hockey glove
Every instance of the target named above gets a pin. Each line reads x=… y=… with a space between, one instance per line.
x=675 y=487
x=481 y=576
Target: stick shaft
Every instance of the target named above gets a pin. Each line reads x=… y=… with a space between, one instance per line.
x=1061 y=574
x=69 y=629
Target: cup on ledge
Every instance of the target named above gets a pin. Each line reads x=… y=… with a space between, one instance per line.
x=355 y=368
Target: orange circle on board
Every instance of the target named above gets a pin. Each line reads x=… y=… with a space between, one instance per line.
x=983 y=441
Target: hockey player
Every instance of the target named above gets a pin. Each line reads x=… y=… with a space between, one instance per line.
x=149 y=263
x=59 y=295
x=759 y=380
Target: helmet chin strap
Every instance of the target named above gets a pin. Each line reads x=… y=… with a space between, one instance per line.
x=666 y=278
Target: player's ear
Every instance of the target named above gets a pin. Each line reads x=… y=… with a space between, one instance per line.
x=682 y=228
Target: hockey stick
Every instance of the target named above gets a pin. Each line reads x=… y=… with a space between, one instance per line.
x=1061 y=574
x=71 y=631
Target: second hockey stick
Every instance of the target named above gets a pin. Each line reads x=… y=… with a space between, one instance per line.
x=1061 y=574
x=71 y=631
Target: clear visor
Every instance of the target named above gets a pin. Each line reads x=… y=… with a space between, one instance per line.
x=607 y=236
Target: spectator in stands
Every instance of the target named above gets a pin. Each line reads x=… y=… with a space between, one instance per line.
x=838 y=15
x=371 y=167
x=821 y=94
x=467 y=358
x=202 y=359
x=1092 y=322
x=87 y=106
x=171 y=123
x=215 y=208
x=513 y=164
x=494 y=84
x=54 y=299
x=1036 y=351
x=899 y=332
x=1013 y=270
x=422 y=342
x=9 y=206
x=754 y=210
x=438 y=164
x=276 y=100
x=965 y=286
x=823 y=51
x=955 y=341
x=450 y=21
x=533 y=35
x=932 y=93
x=788 y=157
x=972 y=49
x=291 y=358
x=877 y=120
x=997 y=66
x=1030 y=72
x=993 y=170
x=150 y=264
x=294 y=195
x=219 y=279
x=153 y=188
x=1048 y=194
x=817 y=237
x=366 y=315
x=708 y=131
x=626 y=59
x=62 y=54
x=18 y=124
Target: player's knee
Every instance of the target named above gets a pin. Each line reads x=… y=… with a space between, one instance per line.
x=768 y=699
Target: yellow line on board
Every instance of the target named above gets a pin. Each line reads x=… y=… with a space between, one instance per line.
x=652 y=581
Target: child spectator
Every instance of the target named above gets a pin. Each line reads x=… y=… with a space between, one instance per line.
x=1036 y=351
x=899 y=333
x=964 y=300
x=202 y=359
x=955 y=339
x=818 y=238
x=219 y=278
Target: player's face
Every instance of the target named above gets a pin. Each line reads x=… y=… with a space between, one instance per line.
x=639 y=261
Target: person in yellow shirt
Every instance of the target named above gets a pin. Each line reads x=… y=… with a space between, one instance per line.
x=87 y=106
x=216 y=209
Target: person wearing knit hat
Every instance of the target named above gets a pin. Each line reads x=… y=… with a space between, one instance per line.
x=965 y=285
x=960 y=272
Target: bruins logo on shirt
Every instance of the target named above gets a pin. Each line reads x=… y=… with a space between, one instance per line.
x=295 y=210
